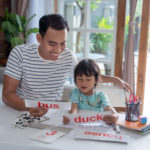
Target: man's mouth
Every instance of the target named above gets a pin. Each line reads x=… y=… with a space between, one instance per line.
x=54 y=54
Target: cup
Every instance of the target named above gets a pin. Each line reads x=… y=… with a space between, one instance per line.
x=132 y=112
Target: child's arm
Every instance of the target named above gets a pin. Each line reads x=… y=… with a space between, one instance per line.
x=110 y=119
x=74 y=110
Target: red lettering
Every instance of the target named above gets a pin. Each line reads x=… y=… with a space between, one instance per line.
x=99 y=134
x=51 y=133
x=77 y=120
x=87 y=119
x=46 y=105
x=94 y=133
x=120 y=138
x=99 y=117
x=110 y=135
x=91 y=118
x=102 y=134
x=56 y=106
x=87 y=132
x=41 y=104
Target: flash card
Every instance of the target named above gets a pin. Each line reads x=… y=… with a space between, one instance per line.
x=25 y=119
x=47 y=136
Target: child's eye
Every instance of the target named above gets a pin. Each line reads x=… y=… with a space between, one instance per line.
x=88 y=79
x=79 y=79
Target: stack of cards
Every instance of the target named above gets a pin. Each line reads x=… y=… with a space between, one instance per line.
x=24 y=119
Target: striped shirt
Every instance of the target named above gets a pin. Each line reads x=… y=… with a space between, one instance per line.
x=39 y=79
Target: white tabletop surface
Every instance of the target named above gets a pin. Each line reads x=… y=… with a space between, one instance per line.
x=17 y=139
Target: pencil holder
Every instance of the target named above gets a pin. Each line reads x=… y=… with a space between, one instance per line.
x=132 y=112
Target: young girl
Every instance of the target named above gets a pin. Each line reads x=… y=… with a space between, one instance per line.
x=86 y=76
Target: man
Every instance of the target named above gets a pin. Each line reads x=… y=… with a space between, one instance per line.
x=38 y=72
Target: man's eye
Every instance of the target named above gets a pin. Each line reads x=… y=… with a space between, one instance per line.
x=52 y=44
x=62 y=44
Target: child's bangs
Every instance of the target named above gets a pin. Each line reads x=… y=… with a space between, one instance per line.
x=85 y=72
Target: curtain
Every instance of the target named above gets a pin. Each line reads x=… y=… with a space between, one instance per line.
x=21 y=6
x=128 y=68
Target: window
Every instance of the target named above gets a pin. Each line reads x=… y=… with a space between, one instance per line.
x=92 y=30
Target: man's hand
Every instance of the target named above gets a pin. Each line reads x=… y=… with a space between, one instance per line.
x=37 y=112
x=122 y=84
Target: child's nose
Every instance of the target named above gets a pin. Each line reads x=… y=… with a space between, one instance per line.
x=83 y=82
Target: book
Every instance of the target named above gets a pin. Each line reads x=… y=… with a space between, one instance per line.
x=135 y=126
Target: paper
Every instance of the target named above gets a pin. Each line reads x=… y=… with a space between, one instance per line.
x=47 y=136
x=86 y=117
x=101 y=136
x=56 y=119
x=48 y=104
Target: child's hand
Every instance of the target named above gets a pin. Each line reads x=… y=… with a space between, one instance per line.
x=66 y=120
x=110 y=119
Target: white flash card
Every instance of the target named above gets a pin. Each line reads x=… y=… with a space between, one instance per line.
x=87 y=117
x=102 y=136
x=48 y=104
x=47 y=136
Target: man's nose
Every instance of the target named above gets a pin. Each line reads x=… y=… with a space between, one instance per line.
x=58 y=49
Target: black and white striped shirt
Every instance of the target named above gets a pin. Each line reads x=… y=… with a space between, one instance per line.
x=39 y=79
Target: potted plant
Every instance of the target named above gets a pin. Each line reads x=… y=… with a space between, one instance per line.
x=15 y=29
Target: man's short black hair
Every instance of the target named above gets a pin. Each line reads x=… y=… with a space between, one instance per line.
x=87 y=67
x=54 y=21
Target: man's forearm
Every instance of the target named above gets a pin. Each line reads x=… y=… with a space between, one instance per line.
x=108 y=79
x=14 y=101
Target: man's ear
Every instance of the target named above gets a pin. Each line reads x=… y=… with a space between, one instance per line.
x=38 y=37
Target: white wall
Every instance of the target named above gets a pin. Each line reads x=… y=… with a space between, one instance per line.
x=40 y=8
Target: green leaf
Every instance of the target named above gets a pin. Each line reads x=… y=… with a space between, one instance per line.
x=12 y=18
x=13 y=26
x=6 y=14
x=19 y=23
x=28 y=20
x=16 y=41
x=31 y=30
x=7 y=26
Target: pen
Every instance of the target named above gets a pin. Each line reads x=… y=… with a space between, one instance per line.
x=117 y=128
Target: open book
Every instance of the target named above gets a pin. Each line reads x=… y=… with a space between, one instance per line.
x=135 y=126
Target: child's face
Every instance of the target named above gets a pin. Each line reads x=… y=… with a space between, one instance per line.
x=85 y=84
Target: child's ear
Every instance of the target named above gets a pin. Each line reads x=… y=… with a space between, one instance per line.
x=99 y=79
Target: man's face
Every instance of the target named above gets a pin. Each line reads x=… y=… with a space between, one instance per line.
x=52 y=44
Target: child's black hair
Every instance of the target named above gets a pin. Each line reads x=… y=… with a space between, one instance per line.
x=87 y=67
